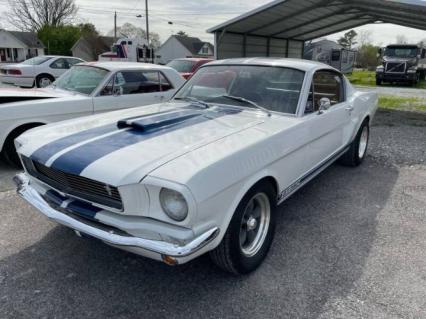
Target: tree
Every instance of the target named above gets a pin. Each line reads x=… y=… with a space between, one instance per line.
x=182 y=33
x=33 y=15
x=59 y=39
x=348 y=39
x=401 y=39
x=364 y=37
x=367 y=56
x=131 y=31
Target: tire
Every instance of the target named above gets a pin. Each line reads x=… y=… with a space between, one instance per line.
x=422 y=75
x=44 y=80
x=241 y=254
x=378 y=82
x=9 y=151
x=358 y=149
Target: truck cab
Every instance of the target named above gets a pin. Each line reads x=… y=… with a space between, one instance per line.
x=401 y=63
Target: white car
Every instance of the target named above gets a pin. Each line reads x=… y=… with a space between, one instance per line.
x=86 y=89
x=40 y=71
x=204 y=172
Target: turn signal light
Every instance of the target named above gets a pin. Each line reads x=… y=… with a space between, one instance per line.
x=169 y=260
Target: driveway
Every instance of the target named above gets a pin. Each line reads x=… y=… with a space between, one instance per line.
x=351 y=244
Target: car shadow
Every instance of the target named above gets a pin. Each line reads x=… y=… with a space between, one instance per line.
x=323 y=239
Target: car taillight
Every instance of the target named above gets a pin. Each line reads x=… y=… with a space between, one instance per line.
x=14 y=72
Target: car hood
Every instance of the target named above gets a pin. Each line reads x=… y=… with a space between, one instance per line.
x=9 y=95
x=122 y=147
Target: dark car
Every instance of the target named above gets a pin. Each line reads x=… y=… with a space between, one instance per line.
x=187 y=66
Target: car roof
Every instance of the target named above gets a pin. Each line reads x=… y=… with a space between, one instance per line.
x=116 y=66
x=304 y=65
x=193 y=59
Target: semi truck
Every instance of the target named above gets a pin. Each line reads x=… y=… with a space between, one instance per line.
x=129 y=50
x=401 y=63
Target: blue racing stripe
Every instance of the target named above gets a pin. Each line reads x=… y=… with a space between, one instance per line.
x=44 y=153
x=76 y=160
x=83 y=209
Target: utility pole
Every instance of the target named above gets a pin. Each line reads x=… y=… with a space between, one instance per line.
x=115 y=26
x=147 y=22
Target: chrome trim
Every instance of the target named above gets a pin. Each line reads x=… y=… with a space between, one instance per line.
x=161 y=247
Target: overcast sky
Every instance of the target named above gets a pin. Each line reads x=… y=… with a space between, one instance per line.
x=195 y=16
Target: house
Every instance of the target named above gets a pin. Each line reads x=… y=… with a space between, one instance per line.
x=320 y=50
x=89 y=48
x=16 y=46
x=178 y=46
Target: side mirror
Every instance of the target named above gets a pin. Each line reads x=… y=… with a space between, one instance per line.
x=324 y=105
x=117 y=91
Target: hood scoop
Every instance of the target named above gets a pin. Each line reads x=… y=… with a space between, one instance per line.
x=158 y=121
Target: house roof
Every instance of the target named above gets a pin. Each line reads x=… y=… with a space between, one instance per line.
x=311 y=19
x=30 y=39
x=192 y=44
x=102 y=43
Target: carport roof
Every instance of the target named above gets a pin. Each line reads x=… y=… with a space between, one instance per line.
x=311 y=19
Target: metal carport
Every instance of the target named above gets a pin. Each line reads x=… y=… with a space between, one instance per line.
x=280 y=28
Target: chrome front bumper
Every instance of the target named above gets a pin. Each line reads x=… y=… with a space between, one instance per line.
x=168 y=252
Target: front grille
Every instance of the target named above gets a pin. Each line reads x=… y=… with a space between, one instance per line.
x=395 y=67
x=79 y=186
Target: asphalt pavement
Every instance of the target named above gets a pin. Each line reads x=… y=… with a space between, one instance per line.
x=351 y=244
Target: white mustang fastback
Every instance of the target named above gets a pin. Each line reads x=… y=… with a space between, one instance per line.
x=205 y=171
x=87 y=88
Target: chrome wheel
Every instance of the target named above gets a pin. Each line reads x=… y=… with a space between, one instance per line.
x=45 y=82
x=363 y=142
x=255 y=224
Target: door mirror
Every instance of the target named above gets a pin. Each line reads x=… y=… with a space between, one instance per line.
x=117 y=91
x=324 y=105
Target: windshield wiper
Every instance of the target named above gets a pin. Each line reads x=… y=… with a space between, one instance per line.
x=241 y=99
x=193 y=99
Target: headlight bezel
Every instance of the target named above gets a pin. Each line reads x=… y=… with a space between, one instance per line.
x=169 y=197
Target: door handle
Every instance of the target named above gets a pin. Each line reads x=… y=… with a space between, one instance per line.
x=349 y=108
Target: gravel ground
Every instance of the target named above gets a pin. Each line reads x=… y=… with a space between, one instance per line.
x=351 y=244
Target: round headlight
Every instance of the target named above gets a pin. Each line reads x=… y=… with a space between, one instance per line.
x=173 y=204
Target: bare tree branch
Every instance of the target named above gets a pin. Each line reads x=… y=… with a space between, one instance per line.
x=32 y=15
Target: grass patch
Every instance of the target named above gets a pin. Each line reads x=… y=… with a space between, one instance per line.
x=402 y=103
x=368 y=78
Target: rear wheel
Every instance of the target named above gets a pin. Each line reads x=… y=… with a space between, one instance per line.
x=250 y=232
x=44 y=80
x=358 y=149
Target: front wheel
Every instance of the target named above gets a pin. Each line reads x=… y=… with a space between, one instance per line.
x=358 y=149
x=250 y=232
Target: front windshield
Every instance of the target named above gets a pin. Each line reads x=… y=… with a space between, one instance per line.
x=401 y=52
x=37 y=60
x=272 y=88
x=81 y=79
x=182 y=66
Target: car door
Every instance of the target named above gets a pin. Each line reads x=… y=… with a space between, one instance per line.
x=326 y=127
x=132 y=88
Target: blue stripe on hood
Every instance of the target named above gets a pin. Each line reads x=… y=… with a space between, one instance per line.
x=44 y=153
x=76 y=160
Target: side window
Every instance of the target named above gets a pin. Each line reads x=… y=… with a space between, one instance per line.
x=72 y=62
x=164 y=83
x=137 y=82
x=327 y=84
x=60 y=64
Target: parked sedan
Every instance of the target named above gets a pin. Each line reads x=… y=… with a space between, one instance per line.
x=86 y=89
x=40 y=71
x=204 y=172
x=188 y=66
